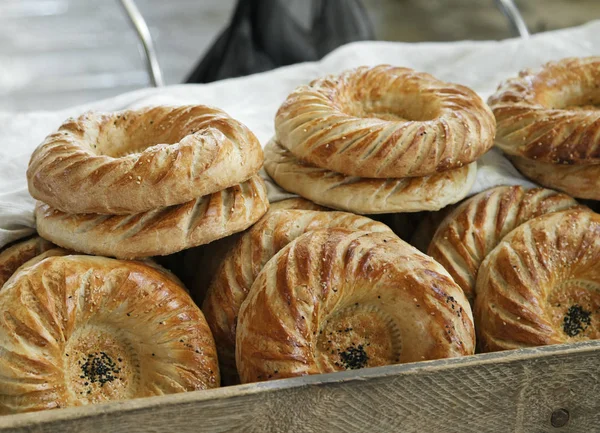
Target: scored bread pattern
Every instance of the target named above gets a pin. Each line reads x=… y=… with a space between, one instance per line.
x=550 y=115
x=540 y=273
x=474 y=228
x=157 y=232
x=238 y=270
x=348 y=123
x=363 y=195
x=327 y=272
x=15 y=255
x=171 y=155
x=68 y=310
x=581 y=181
x=208 y=257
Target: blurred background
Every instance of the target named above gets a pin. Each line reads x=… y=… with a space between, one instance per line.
x=59 y=53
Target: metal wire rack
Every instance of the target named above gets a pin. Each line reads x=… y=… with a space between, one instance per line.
x=508 y=8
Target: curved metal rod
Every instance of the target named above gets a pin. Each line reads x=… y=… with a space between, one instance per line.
x=136 y=19
x=517 y=23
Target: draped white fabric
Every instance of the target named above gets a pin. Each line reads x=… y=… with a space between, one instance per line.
x=255 y=99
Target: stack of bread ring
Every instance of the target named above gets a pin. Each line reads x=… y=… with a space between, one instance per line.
x=348 y=266
x=307 y=285
x=380 y=140
x=129 y=185
x=147 y=182
x=526 y=261
x=549 y=123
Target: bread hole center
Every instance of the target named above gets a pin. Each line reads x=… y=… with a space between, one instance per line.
x=122 y=135
x=101 y=365
x=393 y=107
x=574 y=307
x=358 y=336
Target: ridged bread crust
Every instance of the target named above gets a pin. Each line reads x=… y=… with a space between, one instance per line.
x=365 y=195
x=78 y=330
x=15 y=255
x=238 y=270
x=385 y=122
x=550 y=115
x=157 y=232
x=582 y=181
x=541 y=284
x=132 y=161
x=199 y=265
x=473 y=229
x=336 y=300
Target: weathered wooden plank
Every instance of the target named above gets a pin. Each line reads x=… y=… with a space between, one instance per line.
x=515 y=391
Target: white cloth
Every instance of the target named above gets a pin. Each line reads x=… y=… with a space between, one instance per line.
x=254 y=100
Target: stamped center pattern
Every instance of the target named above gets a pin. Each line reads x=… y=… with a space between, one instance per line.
x=358 y=336
x=101 y=365
x=575 y=309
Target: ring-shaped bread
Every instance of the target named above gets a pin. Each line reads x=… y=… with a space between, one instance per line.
x=366 y=195
x=550 y=115
x=385 y=122
x=581 y=181
x=159 y=231
x=474 y=228
x=78 y=330
x=336 y=300
x=236 y=274
x=136 y=160
x=541 y=284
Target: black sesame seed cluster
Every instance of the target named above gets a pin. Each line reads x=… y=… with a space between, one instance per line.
x=100 y=368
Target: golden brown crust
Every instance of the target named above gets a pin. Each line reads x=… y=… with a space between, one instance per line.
x=238 y=270
x=53 y=252
x=136 y=160
x=363 y=195
x=540 y=285
x=295 y=203
x=14 y=256
x=550 y=115
x=160 y=231
x=385 y=122
x=474 y=228
x=200 y=264
x=77 y=330
x=581 y=181
x=334 y=300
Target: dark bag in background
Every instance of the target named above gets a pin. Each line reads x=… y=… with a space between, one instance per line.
x=265 y=34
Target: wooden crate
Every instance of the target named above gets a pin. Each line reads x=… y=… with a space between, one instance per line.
x=545 y=389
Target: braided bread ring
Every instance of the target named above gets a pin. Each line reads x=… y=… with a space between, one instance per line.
x=240 y=267
x=385 y=122
x=363 y=195
x=85 y=330
x=473 y=229
x=541 y=284
x=334 y=299
x=160 y=231
x=124 y=163
x=582 y=181
x=549 y=115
